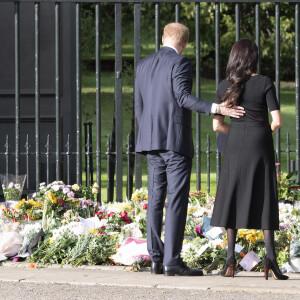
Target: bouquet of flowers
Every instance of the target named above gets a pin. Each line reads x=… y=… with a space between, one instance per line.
x=59 y=198
x=205 y=254
x=12 y=186
x=30 y=208
x=71 y=244
x=140 y=195
x=198 y=197
x=287 y=188
x=12 y=215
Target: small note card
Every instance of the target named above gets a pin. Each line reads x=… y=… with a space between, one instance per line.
x=202 y=249
x=249 y=261
x=214 y=232
x=238 y=248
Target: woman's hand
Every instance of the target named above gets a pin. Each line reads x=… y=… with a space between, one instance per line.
x=219 y=125
x=276 y=120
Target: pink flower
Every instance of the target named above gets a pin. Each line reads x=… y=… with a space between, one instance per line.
x=281 y=182
x=71 y=195
x=15 y=259
x=278 y=176
x=277 y=164
x=66 y=190
x=198 y=229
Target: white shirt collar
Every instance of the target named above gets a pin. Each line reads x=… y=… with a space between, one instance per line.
x=171 y=47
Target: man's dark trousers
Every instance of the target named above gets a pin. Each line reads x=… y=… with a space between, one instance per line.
x=168 y=173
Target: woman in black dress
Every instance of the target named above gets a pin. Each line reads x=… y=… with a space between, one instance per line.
x=247 y=192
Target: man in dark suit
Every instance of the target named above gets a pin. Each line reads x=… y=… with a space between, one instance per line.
x=163 y=105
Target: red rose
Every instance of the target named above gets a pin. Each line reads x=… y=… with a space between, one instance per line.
x=243 y=254
x=123 y=214
x=126 y=220
x=145 y=206
x=61 y=201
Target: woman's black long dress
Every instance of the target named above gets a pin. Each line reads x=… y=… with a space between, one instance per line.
x=247 y=190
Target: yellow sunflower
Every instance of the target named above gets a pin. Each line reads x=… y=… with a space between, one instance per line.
x=20 y=203
x=52 y=198
x=34 y=203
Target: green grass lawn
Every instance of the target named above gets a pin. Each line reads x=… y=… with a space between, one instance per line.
x=287 y=99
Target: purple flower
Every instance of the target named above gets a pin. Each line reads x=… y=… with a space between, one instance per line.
x=66 y=190
x=90 y=202
x=281 y=227
x=15 y=259
x=71 y=195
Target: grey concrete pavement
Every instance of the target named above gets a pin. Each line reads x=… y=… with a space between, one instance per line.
x=45 y=291
x=119 y=277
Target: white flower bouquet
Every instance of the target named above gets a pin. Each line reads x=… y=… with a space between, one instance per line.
x=12 y=186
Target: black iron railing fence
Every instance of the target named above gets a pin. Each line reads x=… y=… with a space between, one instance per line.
x=115 y=148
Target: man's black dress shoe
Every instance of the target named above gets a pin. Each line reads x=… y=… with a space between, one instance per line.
x=157 y=268
x=181 y=270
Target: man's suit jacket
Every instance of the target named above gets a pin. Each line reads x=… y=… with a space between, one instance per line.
x=163 y=103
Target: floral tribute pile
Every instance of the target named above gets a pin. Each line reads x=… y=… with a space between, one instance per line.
x=64 y=224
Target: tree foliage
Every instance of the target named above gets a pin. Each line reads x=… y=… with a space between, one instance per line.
x=207 y=31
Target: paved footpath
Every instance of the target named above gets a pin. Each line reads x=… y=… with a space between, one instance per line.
x=17 y=281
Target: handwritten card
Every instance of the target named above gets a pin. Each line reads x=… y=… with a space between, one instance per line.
x=249 y=261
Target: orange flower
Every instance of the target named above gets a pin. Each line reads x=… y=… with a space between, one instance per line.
x=32 y=266
x=117 y=246
x=135 y=198
x=223 y=244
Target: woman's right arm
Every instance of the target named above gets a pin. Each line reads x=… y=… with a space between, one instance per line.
x=276 y=120
x=219 y=125
x=273 y=104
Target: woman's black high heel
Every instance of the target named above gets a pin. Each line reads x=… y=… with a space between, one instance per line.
x=269 y=266
x=229 y=268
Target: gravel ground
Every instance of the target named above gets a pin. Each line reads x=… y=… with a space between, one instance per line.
x=10 y=290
